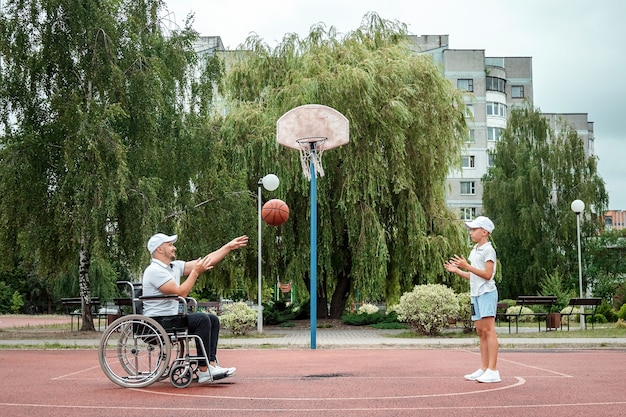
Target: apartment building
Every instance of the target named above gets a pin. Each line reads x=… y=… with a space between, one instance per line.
x=493 y=86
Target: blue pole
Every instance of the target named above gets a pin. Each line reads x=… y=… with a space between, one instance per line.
x=313 y=254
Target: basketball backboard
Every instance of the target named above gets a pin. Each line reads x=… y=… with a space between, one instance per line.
x=310 y=123
x=311 y=129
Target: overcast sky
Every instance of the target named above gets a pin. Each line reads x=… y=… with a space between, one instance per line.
x=577 y=47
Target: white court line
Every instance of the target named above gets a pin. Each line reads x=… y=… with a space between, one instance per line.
x=520 y=381
x=66 y=376
x=501 y=359
x=315 y=410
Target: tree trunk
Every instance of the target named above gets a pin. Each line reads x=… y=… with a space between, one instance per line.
x=84 y=260
x=340 y=296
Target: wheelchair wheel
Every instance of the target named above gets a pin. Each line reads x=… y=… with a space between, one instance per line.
x=181 y=375
x=134 y=351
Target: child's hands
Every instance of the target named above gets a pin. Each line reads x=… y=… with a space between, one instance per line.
x=456 y=263
x=450 y=267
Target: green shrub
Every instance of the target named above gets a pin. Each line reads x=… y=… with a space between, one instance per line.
x=428 y=308
x=607 y=311
x=465 y=311
x=597 y=318
x=239 y=318
x=622 y=312
x=508 y=302
x=278 y=313
x=17 y=302
x=526 y=313
x=363 y=319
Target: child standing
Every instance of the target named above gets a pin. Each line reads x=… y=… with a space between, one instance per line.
x=480 y=271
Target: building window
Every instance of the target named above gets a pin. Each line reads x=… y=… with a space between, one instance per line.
x=465 y=84
x=495 y=84
x=468 y=161
x=468 y=187
x=469 y=111
x=496 y=109
x=490 y=159
x=608 y=222
x=494 y=134
x=468 y=213
x=470 y=137
x=517 y=91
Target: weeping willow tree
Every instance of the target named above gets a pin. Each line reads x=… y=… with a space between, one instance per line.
x=101 y=143
x=383 y=225
x=537 y=173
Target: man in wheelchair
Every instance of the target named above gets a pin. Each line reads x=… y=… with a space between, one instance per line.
x=162 y=277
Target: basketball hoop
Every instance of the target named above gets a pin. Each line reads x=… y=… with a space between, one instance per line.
x=311 y=151
x=311 y=129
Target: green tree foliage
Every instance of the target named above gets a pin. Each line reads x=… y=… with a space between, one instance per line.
x=537 y=173
x=97 y=153
x=605 y=266
x=383 y=225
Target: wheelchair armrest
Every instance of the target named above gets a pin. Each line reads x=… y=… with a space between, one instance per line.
x=159 y=297
x=182 y=300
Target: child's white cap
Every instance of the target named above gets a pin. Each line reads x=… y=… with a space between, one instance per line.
x=481 y=222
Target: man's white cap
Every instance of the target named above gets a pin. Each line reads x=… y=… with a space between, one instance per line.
x=481 y=222
x=159 y=239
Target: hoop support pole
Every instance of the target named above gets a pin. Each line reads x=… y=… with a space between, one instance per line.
x=313 y=263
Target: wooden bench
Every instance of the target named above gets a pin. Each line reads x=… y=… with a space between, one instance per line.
x=73 y=307
x=501 y=312
x=592 y=302
x=207 y=306
x=531 y=300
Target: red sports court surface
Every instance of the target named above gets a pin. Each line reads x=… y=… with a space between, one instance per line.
x=342 y=382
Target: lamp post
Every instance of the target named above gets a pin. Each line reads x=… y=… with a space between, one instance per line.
x=577 y=207
x=270 y=183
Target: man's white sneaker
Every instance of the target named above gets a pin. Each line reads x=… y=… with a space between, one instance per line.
x=226 y=371
x=213 y=373
x=204 y=377
x=474 y=375
x=489 y=376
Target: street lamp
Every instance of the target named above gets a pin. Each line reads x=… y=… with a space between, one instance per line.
x=577 y=207
x=270 y=183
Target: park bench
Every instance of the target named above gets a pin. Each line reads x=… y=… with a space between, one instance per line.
x=206 y=306
x=531 y=300
x=592 y=302
x=73 y=307
x=501 y=312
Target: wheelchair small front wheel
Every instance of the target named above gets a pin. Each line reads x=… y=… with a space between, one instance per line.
x=134 y=351
x=181 y=375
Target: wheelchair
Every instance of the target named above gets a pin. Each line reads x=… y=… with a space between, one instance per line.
x=136 y=350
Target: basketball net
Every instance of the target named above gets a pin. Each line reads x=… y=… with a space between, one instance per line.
x=311 y=150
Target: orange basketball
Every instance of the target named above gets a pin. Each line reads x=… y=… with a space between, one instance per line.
x=275 y=212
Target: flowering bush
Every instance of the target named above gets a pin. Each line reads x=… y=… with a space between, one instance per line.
x=526 y=313
x=465 y=310
x=368 y=309
x=239 y=318
x=428 y=308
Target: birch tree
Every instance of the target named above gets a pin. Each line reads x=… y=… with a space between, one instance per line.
x=537 y=173
x=92 y=98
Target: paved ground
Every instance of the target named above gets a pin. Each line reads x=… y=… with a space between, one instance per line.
x=352 y=372
x=326 y=382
